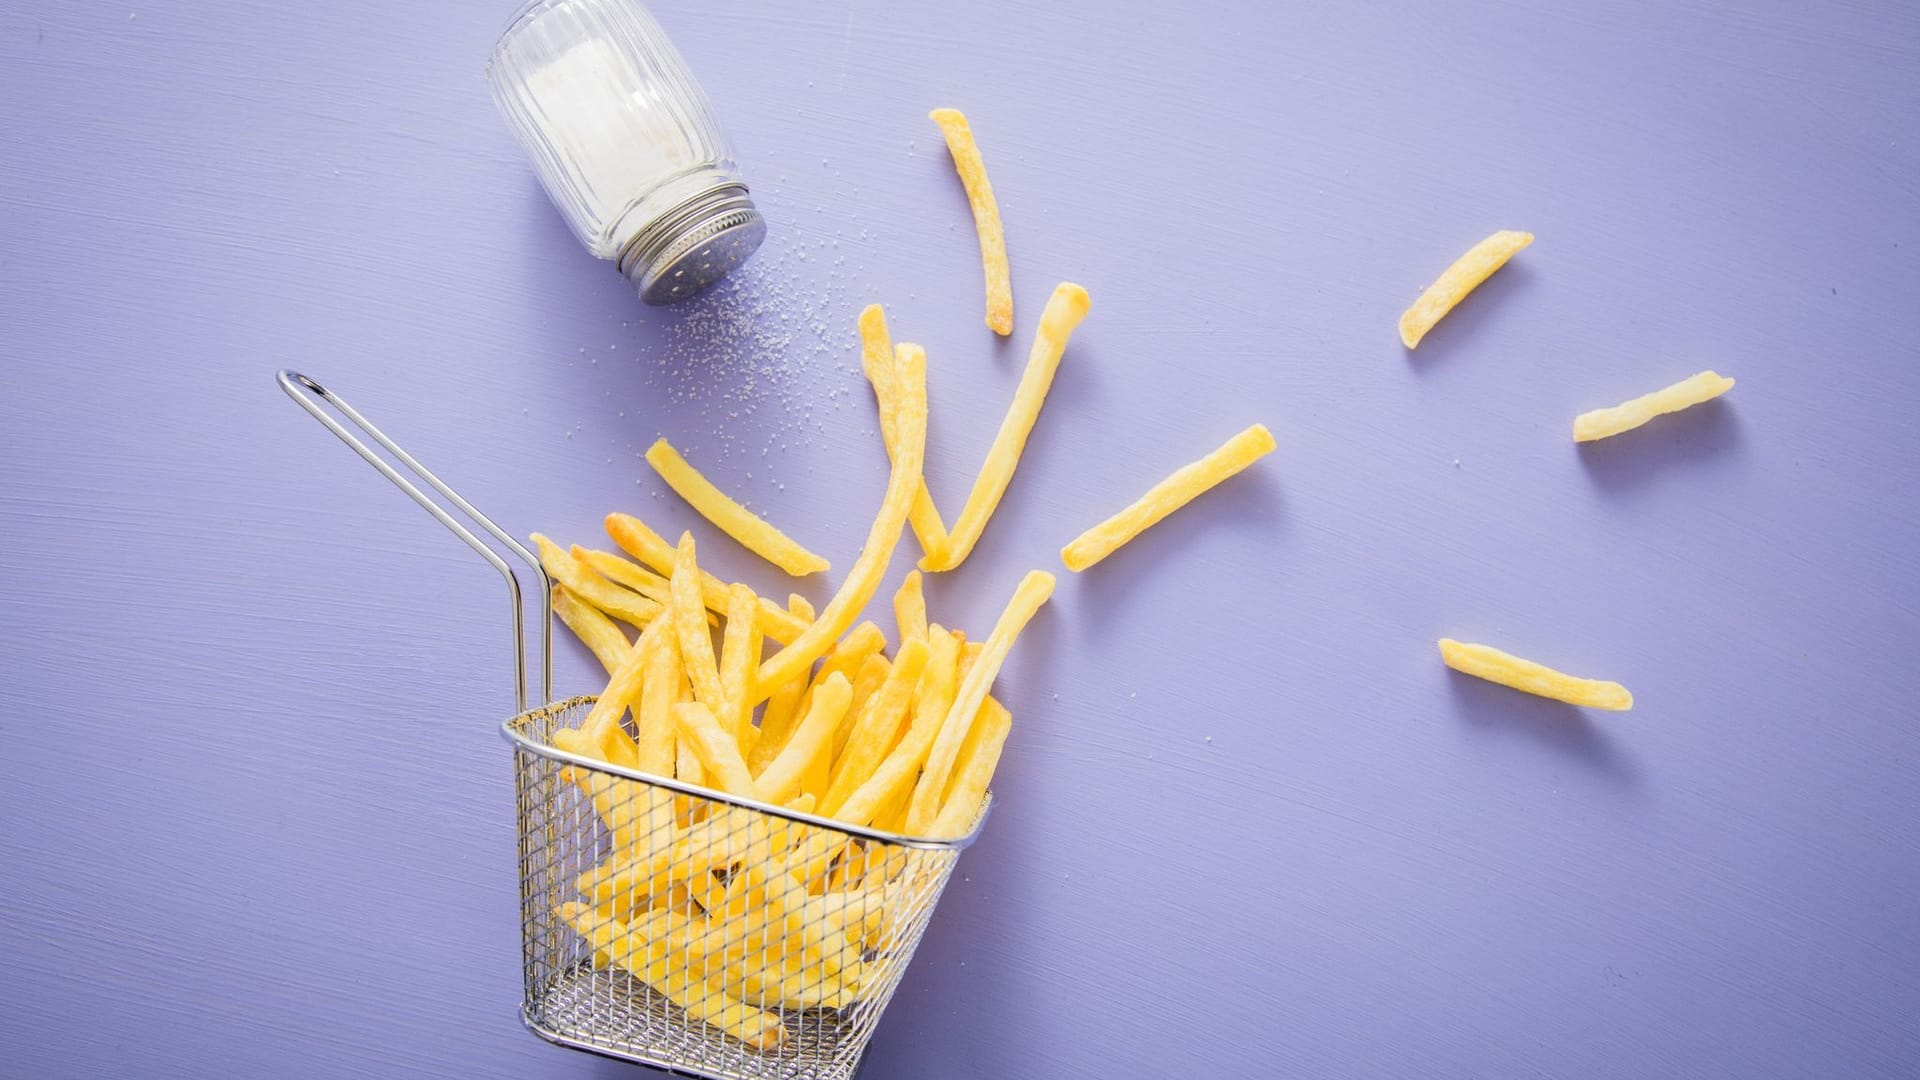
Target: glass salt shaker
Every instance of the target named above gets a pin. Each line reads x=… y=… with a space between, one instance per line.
x=625 y=143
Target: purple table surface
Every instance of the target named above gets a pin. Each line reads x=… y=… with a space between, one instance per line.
x=257 y=816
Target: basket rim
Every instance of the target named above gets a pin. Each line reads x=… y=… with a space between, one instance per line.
x=510 y=729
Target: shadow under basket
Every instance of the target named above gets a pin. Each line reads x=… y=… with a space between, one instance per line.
x=753 y=941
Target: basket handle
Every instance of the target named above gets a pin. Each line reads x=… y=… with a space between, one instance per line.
x=309 y=394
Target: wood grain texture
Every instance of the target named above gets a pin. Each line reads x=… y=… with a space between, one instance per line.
x=257 y=817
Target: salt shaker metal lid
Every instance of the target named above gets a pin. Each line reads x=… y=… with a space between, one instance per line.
x=625 y=143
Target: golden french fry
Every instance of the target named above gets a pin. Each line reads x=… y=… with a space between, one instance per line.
x=649 y=547
x=667 y=971
x=1486 y=662
x=624 y=572
x=739 y=656
x=1465 y=275
x=621 y=603
x=893 y=778
x=735 y=520
x=871 y=566
x=910 y=609
x=783 y=707
x=601 y=729
x=877 y=726
x=986 y=216
x=593 y=628
x=781 y=780
x=1063 y=313
x=973 y=772
x=715 y=746
x=654 y=738
x=1033 y=591
x=880 y=359
x=1167 y=496
x=866 y=682
x=690 y=629
x=1601 y=423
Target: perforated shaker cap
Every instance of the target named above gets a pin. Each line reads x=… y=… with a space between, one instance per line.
x=693 y=245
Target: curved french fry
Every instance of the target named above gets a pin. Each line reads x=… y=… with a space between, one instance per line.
x=1486 y=662
x=986 y=215
x=1688 y=392
x=650 y=548
x=1464 y=276
x=1165 y=497
x=735 y=520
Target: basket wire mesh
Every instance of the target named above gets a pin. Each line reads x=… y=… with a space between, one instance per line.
x=669 y=924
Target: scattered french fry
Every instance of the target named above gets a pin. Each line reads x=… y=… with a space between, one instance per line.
x=1167 y=496
x=1064 y=311
x=871 y=566
x=593 y=628
x=986 y=216
x=690 y=630
x=651 y=549
x=1033 y=591
x=880 y=359
x=1602 y=423
x=909 y=609
x=973 y=772
x=739 y=657
x=782 y=777
x=735 y=520
x=624 y=572
x=1486 y=662
x=1465 y=275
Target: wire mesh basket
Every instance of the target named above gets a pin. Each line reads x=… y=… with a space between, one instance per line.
x=670 y=924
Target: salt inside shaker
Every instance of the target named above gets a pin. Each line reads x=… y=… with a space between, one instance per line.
x=625 y=143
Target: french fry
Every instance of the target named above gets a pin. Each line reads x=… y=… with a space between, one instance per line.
x=1064 y=311
x=986 y=216
x=910 y=609
x=601 y=728
x=1602 y=423
x=735 y=520
x=716 y=747
x=1465 y=275
x=654 y=740
x=880 y=359
x=783 y=706
x=973 y=772
x=605 y=640
x=781 y=780
x=1167 y=496
x=621 y=603
x=624 y=572
x=893 y=778
x=928 y=794
x=877 y=727
x=739 y=656
x=650 y=961
x=867 y=682
x=1485 y=662
x=650 y=548
x=690 y=629
x=871 y=566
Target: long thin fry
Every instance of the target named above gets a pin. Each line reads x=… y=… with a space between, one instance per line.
x=594 y=629
x=1486 y=662
x=892 y=779
x=783 y=706
x=623 y=604
x=735 y=520
x=1063 y=313
x=1033 y=591
x=622 y=690
x=690 y=629
x=739 y=656
x=641 y=542
x=1465 y=275
x=1167 y=496
x=781 y=779
x=653 y=719
x=624 y=572
x=871 y=566
x=986 y=216
x=715 y=746
x=910 y=609
x=877 y=726
x=881 y=361
x=973 y=773
x=866 y=683
x=1601 y=423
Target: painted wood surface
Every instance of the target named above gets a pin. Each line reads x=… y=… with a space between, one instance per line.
x=255 y=818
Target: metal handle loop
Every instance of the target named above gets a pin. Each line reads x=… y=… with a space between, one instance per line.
x=308 y=394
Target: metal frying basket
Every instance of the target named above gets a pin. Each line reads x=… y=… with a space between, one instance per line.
x=673 y=925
